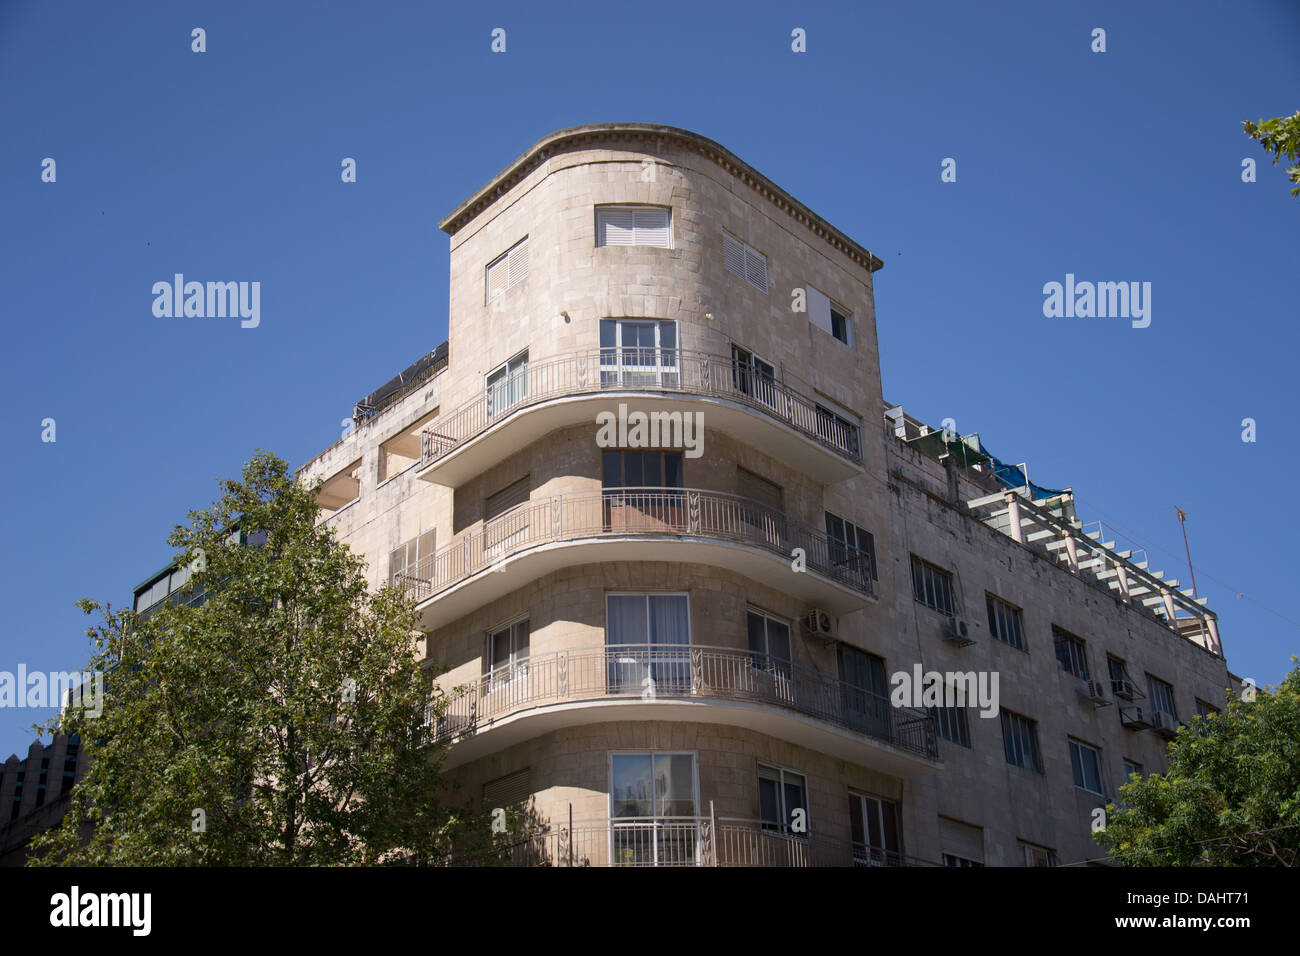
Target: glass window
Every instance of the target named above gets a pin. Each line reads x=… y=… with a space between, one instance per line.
x=1006 y=622
x=506 y=655
x=1031 y=855
x=1162 y=696
x=652 y=809
x=780 y=794
x=507 y=385
x=851 y=546
x=648 y=635
x=932 y=586
x=874 y=826
x=1071 y=653
x=1086 y=763
x=638 y=353
x=1020 y=741
x=952 y=724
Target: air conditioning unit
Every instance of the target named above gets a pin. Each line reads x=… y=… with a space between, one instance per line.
x=1164 y=724
x=818 y=624
x=957 y=630
x=1135 y=718
x=1095 y=691
x=1124 y=689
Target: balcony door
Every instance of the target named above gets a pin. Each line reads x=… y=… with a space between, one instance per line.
x=864 y=691
x=752 y=376
x=769 y=657
x=638 y=353
x=507 y=385
x=874 y=824
x=653 y=809
x=642 y=491
x=648 y=638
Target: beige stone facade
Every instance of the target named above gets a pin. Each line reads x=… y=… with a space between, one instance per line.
x=742 y=532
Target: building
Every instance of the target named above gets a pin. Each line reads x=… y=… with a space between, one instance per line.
x=679 y=553
x=35 y=792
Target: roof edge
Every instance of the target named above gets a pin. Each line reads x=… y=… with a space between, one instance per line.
x=597 y=133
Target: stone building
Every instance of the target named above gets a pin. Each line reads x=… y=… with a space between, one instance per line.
x=687 y=566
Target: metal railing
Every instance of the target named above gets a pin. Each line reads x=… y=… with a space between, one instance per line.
x=688 y=841
x=687 y=671
x=616 y=512
x=636 y=369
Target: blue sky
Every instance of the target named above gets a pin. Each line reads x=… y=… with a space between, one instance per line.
x=1115 y=166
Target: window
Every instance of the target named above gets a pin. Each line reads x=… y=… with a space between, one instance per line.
x=641 y=469
x=753 y=376
x=865 y=690
x=509 y=791
x=744 y=262
x=851 y=546
x=962 y=843
x=837 y=430
x=780 y=794
x=952 y=724
x=507 y=270
x=647 y=638
x=652 y=809
x=507 y=385
x=769 y=643
x=1006 y=622
x=1086 y=763
x=932 y=586
x=1204 y=709
x=1132 y=767
x=633 y=226
x=833 y=319
x=404 y=560
x=1162 y=697
x=637 y=353
x=1020 y=741
x=1033 y=855
x=1071 y=653
x=505 y=654
x=1121 y=685
x=874 y=826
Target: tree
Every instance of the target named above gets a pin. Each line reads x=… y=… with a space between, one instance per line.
x=280 y=721
x=1279 y=135
x=1231 y=796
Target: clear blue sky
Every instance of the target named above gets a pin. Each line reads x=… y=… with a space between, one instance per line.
x=225 y=165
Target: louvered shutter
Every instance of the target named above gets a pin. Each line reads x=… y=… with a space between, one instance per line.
x=961 y=839
x=734 y=252
x=508 y=791
x=505 y=499
x=518 y=263
x=497 y=277
x=756 y=270
x=652 y=227
x=616 y=226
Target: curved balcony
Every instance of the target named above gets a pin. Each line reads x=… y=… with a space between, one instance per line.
x=639 y=524
x=571 y=389
x=685 y=683
x=681 y=841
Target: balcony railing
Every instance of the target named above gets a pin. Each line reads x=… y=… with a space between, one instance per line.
x=685 y=841
x=619 y=512
x=675 y=371
x=654 y=672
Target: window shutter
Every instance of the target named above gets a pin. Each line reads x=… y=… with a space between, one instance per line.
x=616 y=226
x=734 y=252
x=497 y=275
x=819 y=310
x=961 y=839
x=756 y=270
x=508 y=791
x=652 y=227
x=507 y=498
x=518 y=263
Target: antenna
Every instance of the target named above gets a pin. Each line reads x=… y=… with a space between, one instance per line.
x=1182 y=521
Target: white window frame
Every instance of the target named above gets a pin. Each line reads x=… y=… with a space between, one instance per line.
x=749 y=379
x=515 y=667
x=640 y=235
x=783 y=828
x=663 y=372
x=864 y=799
x=1080 y=771
x=652 y=821
x=515 y=377
x=1026 y=849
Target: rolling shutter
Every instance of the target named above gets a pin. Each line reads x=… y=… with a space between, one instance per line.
x=508 y=791
x=961 y=839
x=505 y=499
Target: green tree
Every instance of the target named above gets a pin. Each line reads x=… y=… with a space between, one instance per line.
x=1231 y=796
x=1279 y=135
x=280 y=721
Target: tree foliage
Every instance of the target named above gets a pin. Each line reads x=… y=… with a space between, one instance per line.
x=279 y=721
x=1231 y=796
x=1280 y=136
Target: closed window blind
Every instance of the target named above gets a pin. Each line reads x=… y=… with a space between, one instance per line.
x=508 y=791
x=744 y=262
x=633 y=226
x=508 y=269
